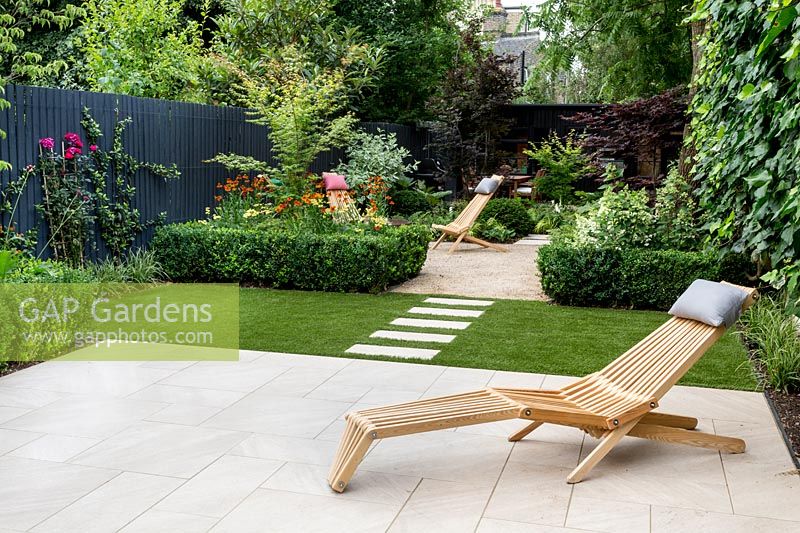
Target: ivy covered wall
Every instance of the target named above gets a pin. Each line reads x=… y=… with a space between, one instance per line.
x=746 y=128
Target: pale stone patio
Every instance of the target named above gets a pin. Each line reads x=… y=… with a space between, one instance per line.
x=244 y=446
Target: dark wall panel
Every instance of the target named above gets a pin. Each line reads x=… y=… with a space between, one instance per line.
x=161 y=131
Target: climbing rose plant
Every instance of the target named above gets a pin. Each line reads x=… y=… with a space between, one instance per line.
x=746 y=124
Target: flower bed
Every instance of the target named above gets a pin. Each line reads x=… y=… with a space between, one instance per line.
x=345 y=262
x=770 y=332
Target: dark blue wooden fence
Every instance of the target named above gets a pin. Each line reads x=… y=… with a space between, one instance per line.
x=162 y=132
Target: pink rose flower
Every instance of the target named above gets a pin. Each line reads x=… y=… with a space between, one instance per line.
x=71 y=152
x=74 y=139
x=93 y=147
x=47 y=143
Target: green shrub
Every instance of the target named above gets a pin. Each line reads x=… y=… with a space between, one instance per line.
x=745 y=130
x=620 y=219
x=641 y=278
x=624 y=218
x=441 y=214
x=773 y=334
x=511 y=213
x=30 y=270
x=579 y=276
x=563 y=163
x=140 y=266
x=737 y=268
x=656 y=278
x=376 y=154
x=676 y=215
x=492 y=230
x=550 y=216
x=409 y=201
x=301 y=260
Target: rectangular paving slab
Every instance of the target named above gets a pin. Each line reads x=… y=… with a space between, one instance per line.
x=412 y=336
x=459 y=301
x=444 y=312
x=392 y=351
x=427 y=323
x=477 y=473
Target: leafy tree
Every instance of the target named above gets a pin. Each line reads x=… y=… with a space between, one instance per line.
x=618 y=49
x=53 y=42
x=254 y=34
x=468 y=108
x=18 y=19
x=633 y=129
x=143 y=48
x=420 y=39
x=746 y=129
x=305 y=115
x=300 y=72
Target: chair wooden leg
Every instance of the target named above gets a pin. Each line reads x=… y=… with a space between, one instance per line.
x=352 y=449
x=673 y=421
x=676 y=435
x=439 y=241
x=607 y=443
x=485 y=244
x=455 y=244
x=524 y=432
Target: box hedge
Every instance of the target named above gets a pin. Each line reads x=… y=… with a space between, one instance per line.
x=338 y=262
x=635 y=277
x=511 y=213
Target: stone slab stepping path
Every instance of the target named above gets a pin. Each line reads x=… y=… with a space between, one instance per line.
x=392 y=351
x=427 y=323
x=412 y=336
x=534 y=240
x=445 y=312
x=458 y=301
x=404 y=352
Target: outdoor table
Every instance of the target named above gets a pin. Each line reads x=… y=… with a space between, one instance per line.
x=514 y=181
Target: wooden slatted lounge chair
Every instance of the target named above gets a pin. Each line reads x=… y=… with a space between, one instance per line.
x=339 y=199
x=614 y=402
x=344 y=207
x=459 y=228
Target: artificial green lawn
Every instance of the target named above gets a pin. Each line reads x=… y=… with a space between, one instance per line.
x=512 y=335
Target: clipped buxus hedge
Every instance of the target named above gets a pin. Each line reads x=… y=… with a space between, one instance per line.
x=337 y=262
x=635 y=277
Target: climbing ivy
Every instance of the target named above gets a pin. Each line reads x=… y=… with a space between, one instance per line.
x=118 y=220
x=746 y=127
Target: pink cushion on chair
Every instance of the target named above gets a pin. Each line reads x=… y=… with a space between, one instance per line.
x=334 y=182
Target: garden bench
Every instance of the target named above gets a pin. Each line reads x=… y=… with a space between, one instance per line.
x=616 y=401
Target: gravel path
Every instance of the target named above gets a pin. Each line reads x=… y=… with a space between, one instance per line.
x=476 y=271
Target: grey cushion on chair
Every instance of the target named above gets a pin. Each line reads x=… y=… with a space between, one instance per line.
x=710 y=302
x=487 y=186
